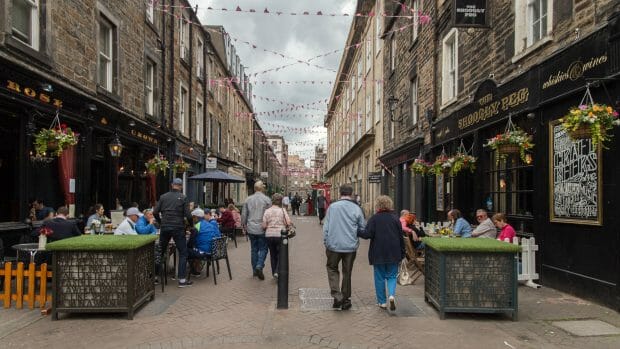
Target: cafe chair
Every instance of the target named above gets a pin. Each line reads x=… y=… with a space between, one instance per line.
x=218 y=252
x=415 y=260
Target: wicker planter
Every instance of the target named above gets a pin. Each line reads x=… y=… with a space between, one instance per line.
x=52 y=146
x=508 y=148
x=100 y=280
x=463 y=281
x=582 y=132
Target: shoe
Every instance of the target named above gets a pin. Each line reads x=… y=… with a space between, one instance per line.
x=259 y=273
x=392 y=303
x=346 y=304
x=196 y=273
x=254 y=273
x=275 y=276
x=337 y=304
x=382 y=306
x=185 y=284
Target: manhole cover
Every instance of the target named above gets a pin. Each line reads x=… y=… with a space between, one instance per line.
x=586 y=328
x=316 y=299
x=405 y=307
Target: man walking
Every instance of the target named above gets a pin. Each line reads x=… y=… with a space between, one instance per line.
x=321 y=203
x=174 y=208
x=344 y=219
x=252 y=218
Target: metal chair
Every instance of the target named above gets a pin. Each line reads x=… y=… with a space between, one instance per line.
x=414 y=260
x=218 y=251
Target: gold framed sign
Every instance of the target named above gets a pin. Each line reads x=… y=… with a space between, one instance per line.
x=439 y=193
x=575 y=179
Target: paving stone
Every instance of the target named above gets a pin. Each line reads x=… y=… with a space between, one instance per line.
x=585 y=328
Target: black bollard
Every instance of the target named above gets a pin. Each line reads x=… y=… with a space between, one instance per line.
x=283 y=271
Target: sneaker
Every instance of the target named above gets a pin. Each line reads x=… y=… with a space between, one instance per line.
x=196 y=273
x=337 y=304
x=346 y=304
x=275 y=276
x=185 y=284
x=259 y=273
x=382 y=306
x=392 y=303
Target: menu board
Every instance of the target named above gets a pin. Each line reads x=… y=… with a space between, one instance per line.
x=575 y=178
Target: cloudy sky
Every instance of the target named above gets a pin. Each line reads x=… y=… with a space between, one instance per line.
x=301 y=37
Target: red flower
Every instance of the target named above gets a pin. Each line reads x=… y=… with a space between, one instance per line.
x=46 y=231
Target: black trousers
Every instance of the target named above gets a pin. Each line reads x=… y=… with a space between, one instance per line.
x=339 y=292
x=273 y=243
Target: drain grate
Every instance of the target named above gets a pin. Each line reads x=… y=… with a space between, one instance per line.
x=405 y=307
x=316 y=299
x=587 y=327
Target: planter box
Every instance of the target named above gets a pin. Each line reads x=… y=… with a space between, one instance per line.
x=471 y=276
x=102 y=274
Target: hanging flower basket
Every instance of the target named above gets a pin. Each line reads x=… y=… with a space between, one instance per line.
x=420 y=166
x=512 y=141
x=156 y=164
x=180 y=166
x=440 y=166
x=590 y=121
x=508 y=148
x=54 y=141
x=460 y=162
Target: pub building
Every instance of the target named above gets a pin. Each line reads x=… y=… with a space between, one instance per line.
x=566 y=192
x=194 y=157
x=88 y=174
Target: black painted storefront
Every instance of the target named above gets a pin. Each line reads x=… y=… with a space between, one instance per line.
x=576 y=256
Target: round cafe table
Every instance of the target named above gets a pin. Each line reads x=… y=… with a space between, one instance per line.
x=31 y=248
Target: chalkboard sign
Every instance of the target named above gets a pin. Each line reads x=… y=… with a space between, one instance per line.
x=575 y=179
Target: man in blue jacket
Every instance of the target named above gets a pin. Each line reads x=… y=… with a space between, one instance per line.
x=343 y=221
x=207 y=230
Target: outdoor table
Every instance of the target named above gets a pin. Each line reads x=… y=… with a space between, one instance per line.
x=102 y=273
x=471 y=275
x=31 y=248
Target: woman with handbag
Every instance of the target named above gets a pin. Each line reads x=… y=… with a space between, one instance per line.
x=275 y=220
x=387 y=249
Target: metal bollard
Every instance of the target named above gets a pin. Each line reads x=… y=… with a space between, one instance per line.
x=283 y=271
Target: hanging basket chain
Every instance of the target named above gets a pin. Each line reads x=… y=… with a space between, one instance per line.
x=587 y=96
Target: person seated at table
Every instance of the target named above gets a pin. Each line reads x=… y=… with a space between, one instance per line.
x=460 y=226
x=413 y=224
x=128 y=226
x=406 y=219
x=200 y=244
x=226 y=221
x=136 y=205
x=236 y=215
x=39 y=211
x=60 y=226
x=146 y=224
x=485 y=228
x=507 y=231
x=97 y=215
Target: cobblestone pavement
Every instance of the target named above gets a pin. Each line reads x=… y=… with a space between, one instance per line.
x=242 y=314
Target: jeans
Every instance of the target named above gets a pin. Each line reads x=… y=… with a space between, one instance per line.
x=258 y=245
x=339 y=292
x=383 y=273
x=178 y=234
x=274 y=253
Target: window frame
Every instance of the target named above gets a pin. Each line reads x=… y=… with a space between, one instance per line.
x=378 y=27
x=109 y=84
x=200 y=59
x=34 y=23
x=524 y=43
x=415 y=27
x=449 y=86
x=184 y=38
x=378 y=101
x=199 y=121
x=392 y=52
x=149 y=95
x=183 y=110
x=414 y=101
x=150 y=11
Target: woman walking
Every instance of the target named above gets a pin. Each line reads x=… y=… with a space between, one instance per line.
x=275 y=220
x=386 y=250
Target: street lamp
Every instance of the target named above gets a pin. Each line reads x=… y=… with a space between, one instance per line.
x=392 y=104
x=116 y=148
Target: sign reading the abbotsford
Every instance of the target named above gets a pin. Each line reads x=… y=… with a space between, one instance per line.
x=470 y=13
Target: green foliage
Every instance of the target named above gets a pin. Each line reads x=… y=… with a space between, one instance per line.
x=157 y=163
x=599 y=118
x=516 y=137
x=62 y=136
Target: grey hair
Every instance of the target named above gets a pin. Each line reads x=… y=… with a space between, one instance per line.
x=276 y=199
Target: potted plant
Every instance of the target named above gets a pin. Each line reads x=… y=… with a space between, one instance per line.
x=511 y=142
x=461 y=161
x=441 y=165
x=420 y=166
x=157 y=163
x=180 y=166
x=590 y=121
x=44 y=233
x=55 y=140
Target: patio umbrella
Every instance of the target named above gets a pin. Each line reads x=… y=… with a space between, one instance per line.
x=217 y=176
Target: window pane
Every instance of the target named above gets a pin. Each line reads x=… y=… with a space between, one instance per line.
x=21 y=16
x=104 y=39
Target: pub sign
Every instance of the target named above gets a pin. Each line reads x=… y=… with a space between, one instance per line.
x=470 y=13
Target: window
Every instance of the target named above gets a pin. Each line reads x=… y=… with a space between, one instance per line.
x=533 y=20
x=199 y=121
x=107 y=50
x=183 y=111
x=149 y=84
x=378 y=99
x=415 y=11
x=368 y=111
x=359 y=126
x=414 y=101
x=392 y=129
x=392 y=52
x=25 y=22
x=184 y=37
x=378 y=27
x=360 y=71
x=219 y=137
x=449 y=72
x=200 y=59
x=149 y=10
x=368 y=54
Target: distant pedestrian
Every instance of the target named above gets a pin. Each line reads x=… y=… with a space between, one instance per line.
x=310 y=206
x=174 y=209
x=321 y=204
x=252 y=219
x=343 y=221
x=286 y=201
x=275 y=220
x=386 y=250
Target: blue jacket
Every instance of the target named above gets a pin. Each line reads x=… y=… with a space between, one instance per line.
x=207 y=231
x=462 y=228
x=143 y=227
x=344 y=219
x=386 y=238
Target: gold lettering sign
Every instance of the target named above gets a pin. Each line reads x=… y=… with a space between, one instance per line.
x=32 y=93
x=575 y=71
x=491 y=109
x=144 y=137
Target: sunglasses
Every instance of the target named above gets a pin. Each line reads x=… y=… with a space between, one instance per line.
x=479 y=217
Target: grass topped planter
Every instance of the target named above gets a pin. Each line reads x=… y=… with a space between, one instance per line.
x=471 y=276
x=102 y=273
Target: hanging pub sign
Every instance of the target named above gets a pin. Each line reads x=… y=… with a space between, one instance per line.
x=374 y=177
x=470 y=13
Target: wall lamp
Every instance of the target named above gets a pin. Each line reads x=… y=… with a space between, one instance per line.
x=92 y=107
x=392 y=104
x=116 y=147
x=47 y=87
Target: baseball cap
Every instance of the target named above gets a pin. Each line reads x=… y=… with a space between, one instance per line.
x=177 y=181
x=198 y=212
x=133 y=211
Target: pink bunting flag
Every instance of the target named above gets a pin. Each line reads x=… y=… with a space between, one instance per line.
x=238 y=9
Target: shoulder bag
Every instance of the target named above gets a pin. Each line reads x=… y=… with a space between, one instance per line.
x=290 y=227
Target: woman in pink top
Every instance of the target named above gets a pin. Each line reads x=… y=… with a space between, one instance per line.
x=508 y=232
x=275 y=220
